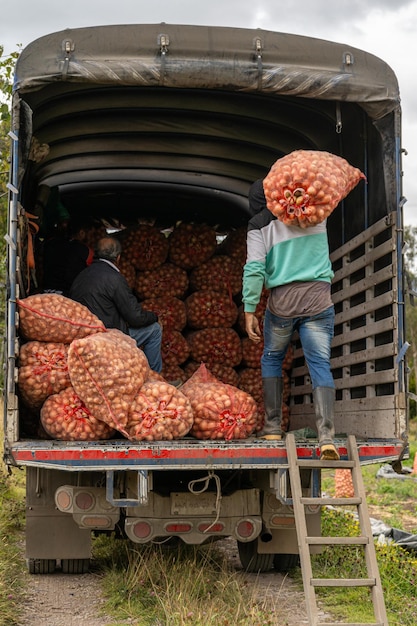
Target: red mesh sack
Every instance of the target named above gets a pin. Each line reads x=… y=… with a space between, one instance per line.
x=223 y=373
x=54 y=318
x=173 y=373
x=64 y=416
x=235 y=245
x=250 y=380
x=166 y=280
x=43 y=371
x=305 y=186
x=107 y=370
x=215 y=345
x=146 y=247
x=251 y=352
x=159 y=411
x=221 y=411
x=191 y=244
x=128 y=271
x=210 y=309
x=220 y=273
x=174 y=347
x=170 y=311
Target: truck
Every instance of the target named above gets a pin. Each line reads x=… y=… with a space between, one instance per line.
x=173 y=123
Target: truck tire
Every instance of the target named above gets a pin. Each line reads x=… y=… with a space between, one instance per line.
x=41 y=566
x=251 y=560
x=75 y=566
x=286 y=562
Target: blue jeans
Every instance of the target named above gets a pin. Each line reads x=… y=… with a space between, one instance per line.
x=148 y=339
x=316 y=334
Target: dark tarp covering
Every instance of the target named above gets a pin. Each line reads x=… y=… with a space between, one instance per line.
x=203 y=57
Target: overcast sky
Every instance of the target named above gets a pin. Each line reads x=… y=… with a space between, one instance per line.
x=385 y=28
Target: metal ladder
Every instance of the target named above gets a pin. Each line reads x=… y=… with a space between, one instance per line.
x=365 y=539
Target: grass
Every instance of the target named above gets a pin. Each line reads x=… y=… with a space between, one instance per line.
x=11 y=527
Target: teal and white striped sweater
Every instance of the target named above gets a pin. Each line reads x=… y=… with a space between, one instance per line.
x=278 y=255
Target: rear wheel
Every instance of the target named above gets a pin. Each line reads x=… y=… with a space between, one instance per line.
x=41 y=566
x=251 y=560
x=286 y=562
x=75 y=566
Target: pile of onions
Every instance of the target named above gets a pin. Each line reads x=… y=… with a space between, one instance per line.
x=251 y=352
x=54 y=318
x=43 y=371
x=64 y=416
x=305 y=186
x=210 y=309
x=146 y=247
x=170 y=310
x=107 y=370
x=220 y=273
x=159 y=411
x=191 y=245
x=166 y=280
x=174 y=347
x=215 y=345
x=173 y=373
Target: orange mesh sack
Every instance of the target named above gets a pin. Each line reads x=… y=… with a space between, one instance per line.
x=305 y=186
x=64 y=416
x=224 y=373
x=43 y=371
x=174 y=347
x=191 y=244
x=170 y=311
x=53 y=318
x=107 y=371
x=166 y=280
x=220 y=273
x=221 y=411
x=159 y=411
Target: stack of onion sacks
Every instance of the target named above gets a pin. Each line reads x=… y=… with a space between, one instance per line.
x=304 y=187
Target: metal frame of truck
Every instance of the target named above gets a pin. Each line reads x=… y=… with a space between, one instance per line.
x=186 y=118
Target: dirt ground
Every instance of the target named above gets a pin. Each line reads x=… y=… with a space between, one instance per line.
x=76 y=600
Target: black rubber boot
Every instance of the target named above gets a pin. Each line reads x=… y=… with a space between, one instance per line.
x=323 y=398
x=272 y=388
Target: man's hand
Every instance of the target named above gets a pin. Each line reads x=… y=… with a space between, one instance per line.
x=252 y=327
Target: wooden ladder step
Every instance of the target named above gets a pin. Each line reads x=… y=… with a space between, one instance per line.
x=332 y=501
x=337 y=541
x=343 y=582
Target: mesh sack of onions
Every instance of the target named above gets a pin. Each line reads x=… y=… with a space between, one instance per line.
x=170 y=311
x=146 y=247
x=235 y=245
x=159 y=411
x=210 y=309
x=43 y=371
x=221 y=411
x=128 y=271
x=174 y=347
x=251 y=352
x=54 y=318
x=166 y=280
x=64 y=416
x=107 y=370
x=173 y=373
x=304 y=187
x=250 y=380
x=223 y=373
x=220 y=273
x=215 y=345
x=191 y=245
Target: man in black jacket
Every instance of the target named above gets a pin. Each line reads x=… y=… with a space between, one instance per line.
x=104 y=290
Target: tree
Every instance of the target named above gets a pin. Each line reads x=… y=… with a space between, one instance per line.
x=7 y=64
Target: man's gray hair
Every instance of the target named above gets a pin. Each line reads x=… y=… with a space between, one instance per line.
x=108 y=248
